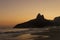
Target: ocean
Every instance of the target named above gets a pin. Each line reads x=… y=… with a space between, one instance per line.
x=48 y=33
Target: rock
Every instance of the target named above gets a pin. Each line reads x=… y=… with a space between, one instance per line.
x=38 y=22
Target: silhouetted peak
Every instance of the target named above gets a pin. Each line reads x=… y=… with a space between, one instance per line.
x=39 y=16
x=57 y=19
x=40 y=21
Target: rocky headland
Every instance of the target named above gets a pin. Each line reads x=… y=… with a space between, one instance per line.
x=39 y=22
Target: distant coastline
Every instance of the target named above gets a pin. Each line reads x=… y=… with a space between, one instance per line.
x=39 y=22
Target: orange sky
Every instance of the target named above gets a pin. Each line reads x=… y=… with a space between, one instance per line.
x=13 y=12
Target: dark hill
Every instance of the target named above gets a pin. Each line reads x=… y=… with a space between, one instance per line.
x=38 y=22
x=57 y=21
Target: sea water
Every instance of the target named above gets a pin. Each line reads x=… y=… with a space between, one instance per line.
x=29 y=34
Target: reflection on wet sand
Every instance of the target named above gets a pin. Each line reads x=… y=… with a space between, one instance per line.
x=31 y=34
x=25 y=37
x=50 y=34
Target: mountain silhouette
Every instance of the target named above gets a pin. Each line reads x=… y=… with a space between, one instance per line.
x=57 y=21
x=39 y=22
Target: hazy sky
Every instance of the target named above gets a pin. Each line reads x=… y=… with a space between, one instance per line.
x=16 y=11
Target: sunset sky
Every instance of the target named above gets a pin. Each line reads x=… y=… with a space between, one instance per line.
x=13 y=12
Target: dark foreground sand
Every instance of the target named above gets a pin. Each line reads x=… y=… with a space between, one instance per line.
x=52 y=34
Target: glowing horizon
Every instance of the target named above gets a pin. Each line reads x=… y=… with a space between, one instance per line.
x=17 y=11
